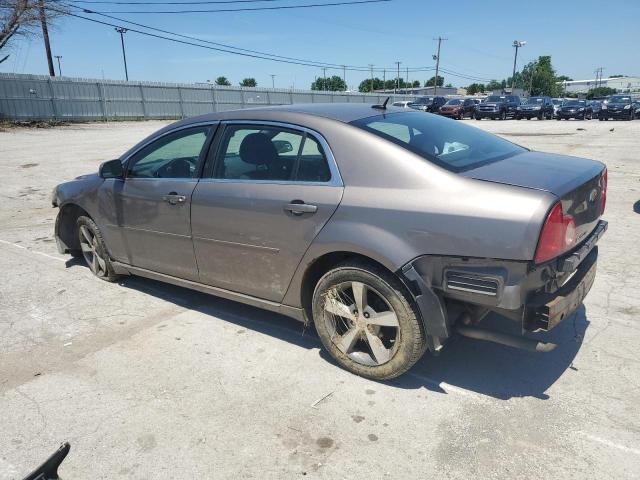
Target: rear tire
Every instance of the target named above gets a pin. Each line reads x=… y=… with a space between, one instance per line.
x=94 y=249
x=367 y=321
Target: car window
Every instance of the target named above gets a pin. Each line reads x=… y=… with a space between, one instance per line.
x=252 y=152
x=451 y=145
x=313 y=166
x=174 y=155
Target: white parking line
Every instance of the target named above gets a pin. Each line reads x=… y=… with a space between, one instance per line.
x=609 y=443
x=32 y=251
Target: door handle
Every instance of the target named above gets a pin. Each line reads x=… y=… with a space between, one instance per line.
x=298 y=207
x=173 y=198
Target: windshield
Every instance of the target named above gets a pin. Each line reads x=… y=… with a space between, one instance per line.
x=495 y=98
x=535 y=100
x=619 y=99
x=423 y=101
x=454 y=146
x=574 y=103
x=454 y=102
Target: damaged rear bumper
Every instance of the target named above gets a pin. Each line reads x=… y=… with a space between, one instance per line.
x=539 y=297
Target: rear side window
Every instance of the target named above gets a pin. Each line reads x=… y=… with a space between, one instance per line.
x=451 y=145
x=265 y=152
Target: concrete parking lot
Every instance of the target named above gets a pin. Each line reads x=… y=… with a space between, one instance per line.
x=148 y=381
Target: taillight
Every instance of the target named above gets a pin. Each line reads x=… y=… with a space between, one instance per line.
x=604 y=180
x=558 y=235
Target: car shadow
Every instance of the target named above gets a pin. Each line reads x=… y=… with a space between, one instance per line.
x=483 y=367
x=499 y=371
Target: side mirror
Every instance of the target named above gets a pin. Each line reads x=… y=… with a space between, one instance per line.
x=111 y=169
x=283 y=146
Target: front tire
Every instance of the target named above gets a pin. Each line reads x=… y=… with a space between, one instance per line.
x=367 y=321
x=94 y=249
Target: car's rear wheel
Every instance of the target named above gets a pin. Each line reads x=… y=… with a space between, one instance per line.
x=94 y=250
x=366 y=320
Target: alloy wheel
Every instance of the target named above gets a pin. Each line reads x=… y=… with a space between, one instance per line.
x=89 y=246
x=361 y=323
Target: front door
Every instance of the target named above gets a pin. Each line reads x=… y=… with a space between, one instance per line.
x=153 y=203
x=270 y=191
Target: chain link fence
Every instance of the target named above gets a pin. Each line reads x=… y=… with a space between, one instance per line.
x=40 y=97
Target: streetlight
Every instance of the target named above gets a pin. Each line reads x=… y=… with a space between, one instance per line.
x=273 y=81
x=121 y=31
x=517 y=44
x=58 y=57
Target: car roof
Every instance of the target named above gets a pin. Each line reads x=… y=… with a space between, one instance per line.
x=342 y=112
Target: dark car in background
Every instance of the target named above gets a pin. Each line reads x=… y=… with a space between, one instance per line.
x=428 y=104
x=498 y=107
x=618 y=107
x=389 y=229
x=578 y=109
x=536 y=107
x=596 y=107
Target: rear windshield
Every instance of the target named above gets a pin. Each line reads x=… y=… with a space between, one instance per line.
x=533 y=100
x=495 y=98
x=454 y=102
x=452 y=145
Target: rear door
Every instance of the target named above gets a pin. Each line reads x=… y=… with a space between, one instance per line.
x=270 y=190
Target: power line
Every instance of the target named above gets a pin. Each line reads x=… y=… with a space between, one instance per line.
x=246 y=9
x=173 y=3
x=241 y=51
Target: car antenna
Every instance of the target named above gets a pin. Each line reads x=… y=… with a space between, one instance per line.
x=381 y=107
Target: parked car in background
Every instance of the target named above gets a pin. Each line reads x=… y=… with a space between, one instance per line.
x=536 y=107
x=578 y=109
x=596 y=107
x=428 y=104
x=498 y=107
x=618 y=107
x=403 y=104
x=389 y=229
x=454 y=108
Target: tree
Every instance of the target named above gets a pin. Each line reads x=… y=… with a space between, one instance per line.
x=449 y=85
x=431 y=82
x=249 y=82
x=23 y=18
x=564 y=78
x=333 y=84
x=223 y=81
x=494 y=85
x=600 y=92
x=475 y=88
x=416 y=84
x=365 y=85
x=616 y=76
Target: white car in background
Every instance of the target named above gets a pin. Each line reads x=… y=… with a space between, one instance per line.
x=403 y=104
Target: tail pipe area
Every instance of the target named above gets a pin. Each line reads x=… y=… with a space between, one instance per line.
x=505 y=339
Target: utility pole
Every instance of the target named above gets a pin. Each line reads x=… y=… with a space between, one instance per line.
x=122 y=31
x=45 y=36
x=324 y=78
x=58 y=57
x=397 y=78
x=344 y=76
x=437 y=59
x=517 y=44
x=384 y=79
x=371 y=67
x=407 y=82
x=273 y=81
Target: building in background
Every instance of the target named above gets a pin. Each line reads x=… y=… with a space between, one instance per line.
x=621 y=84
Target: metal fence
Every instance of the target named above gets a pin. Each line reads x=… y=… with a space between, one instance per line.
x=39 y=97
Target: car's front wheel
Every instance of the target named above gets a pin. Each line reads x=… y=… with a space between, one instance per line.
x=365 y=318
x=94 y=250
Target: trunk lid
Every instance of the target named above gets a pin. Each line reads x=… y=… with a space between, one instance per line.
x=575 y=181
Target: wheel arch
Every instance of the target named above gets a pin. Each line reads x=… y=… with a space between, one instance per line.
x=65 y=230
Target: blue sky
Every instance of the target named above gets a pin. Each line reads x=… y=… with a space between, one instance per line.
x=579 y=35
